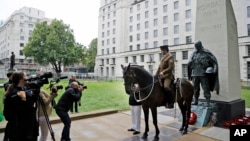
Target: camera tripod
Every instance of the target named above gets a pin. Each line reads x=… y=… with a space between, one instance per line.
x=41 y=102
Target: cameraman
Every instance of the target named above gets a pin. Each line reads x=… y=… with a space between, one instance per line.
x=46 y=104
x=78 y=102
x=63 y=106
x=20 y=110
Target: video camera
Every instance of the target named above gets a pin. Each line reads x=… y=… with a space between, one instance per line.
x=52 y=82
x=38 y=81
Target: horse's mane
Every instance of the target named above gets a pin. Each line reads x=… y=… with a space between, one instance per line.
x=143 y=76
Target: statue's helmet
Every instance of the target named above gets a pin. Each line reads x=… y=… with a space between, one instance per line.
x=209 y=70
x=198 y=46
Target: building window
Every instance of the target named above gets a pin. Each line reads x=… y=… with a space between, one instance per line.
x=155 y=33
x=21 y=17
x=138 y=26
x=155 y=2
x=22 y=38
x=165 y=42
x=248 y=29
x=188 y=2
x=131 y=28
x=188 y=14
x=188 y=39
x=165 y=19
x=113 y=61
x=107 y=41
x=155 y=11
x=114 y=14
x=165 y=8
x=174 y=55
x=131 y=19
x=155 y=22
x=103 y=18
x=176 y=29
x=176 y=41
x=103 y=34
x=107 y=61
x=107 y=50
x=146 y=14
x=21 y=52
x=160 y=56
x=151 y=58
x=165 y=31
x=138 y=46
x=114 y=5
x=142 y=58
x=113 y=31
x=103 y=26
x=184 y=55
x=146 y=35
x=102 y=51
x=130 y=48
x=126 y=59
x=248 y=50
x=30 y=32
x=146 y=45
x=146 y=25
x=131 y=38
x=138 y=7
x=102 y=62
x=102 y=43
x=146 y=4
x=131 y=10
x=21 y=60
x=114 y=50
x=21 y=24
x=21 y=44
x=184 y=70
x=138 y=37
x=176 y=4
x=138 y=17
x=21 y=31
x=113 y=40
x=29 y=61
x=114 y=22
x=112 y=71
x=248 y=70
x=155 y=44
x=108 y=33
x=188 y=27
x=134 y=59
x=30 y=19
x=176 y=16
x=108 y=24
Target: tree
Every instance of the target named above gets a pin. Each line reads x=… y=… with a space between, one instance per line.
x=90 y=55
x=53 y=44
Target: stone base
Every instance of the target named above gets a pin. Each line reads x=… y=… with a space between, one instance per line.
x=229 y=110
x=203 y=113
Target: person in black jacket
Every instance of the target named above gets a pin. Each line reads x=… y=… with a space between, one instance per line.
x=20 y=110
x=63 y=106
x=135 y=108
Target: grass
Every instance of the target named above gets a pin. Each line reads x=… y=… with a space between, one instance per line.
x=245 y=94
x=98 y=95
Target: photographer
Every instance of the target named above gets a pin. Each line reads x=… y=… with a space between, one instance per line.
x=46 y=103
x=20 y=110
x=78 y=102
x=63 y=106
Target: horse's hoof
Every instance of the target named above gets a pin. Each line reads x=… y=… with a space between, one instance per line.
x=181 y=129
x=184 y=132
x=156 y=138
x=144 y=136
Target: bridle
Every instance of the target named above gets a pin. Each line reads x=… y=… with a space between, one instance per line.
x=138 y=91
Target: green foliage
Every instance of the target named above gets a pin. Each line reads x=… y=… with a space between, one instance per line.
x=53 y=43
x=245 y=94
x=90 y=55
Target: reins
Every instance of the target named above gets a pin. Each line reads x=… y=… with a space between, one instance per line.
x=139 y=91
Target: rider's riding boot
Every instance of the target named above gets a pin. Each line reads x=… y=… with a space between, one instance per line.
x=170 y=102
x=208 y=102
x=195 y=102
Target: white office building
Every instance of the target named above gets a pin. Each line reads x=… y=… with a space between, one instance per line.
x=14 y=35
x=131 y=31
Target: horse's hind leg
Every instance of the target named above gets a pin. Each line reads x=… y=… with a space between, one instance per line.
x=146 y=114
x=183 y=113
x=188 y=112
x=154 y=115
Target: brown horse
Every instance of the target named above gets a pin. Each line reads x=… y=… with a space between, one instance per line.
x=152 y=95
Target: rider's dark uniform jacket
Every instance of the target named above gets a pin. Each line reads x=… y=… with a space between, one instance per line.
x=67 y=99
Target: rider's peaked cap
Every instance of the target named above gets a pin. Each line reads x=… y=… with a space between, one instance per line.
x=164 y=47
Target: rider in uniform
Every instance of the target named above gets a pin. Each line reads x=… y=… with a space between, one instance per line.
x=165 y=73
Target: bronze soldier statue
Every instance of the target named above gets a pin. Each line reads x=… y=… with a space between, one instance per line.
x=165 y=73
x=203 y=70
x=12 y=61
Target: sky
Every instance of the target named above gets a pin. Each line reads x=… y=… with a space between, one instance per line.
x=81 y=15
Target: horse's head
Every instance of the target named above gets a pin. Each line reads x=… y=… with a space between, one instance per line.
x=129 y=77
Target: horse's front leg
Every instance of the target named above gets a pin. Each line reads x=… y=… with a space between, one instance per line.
x=146 y=113
x=154 y=115
x=183 y=113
